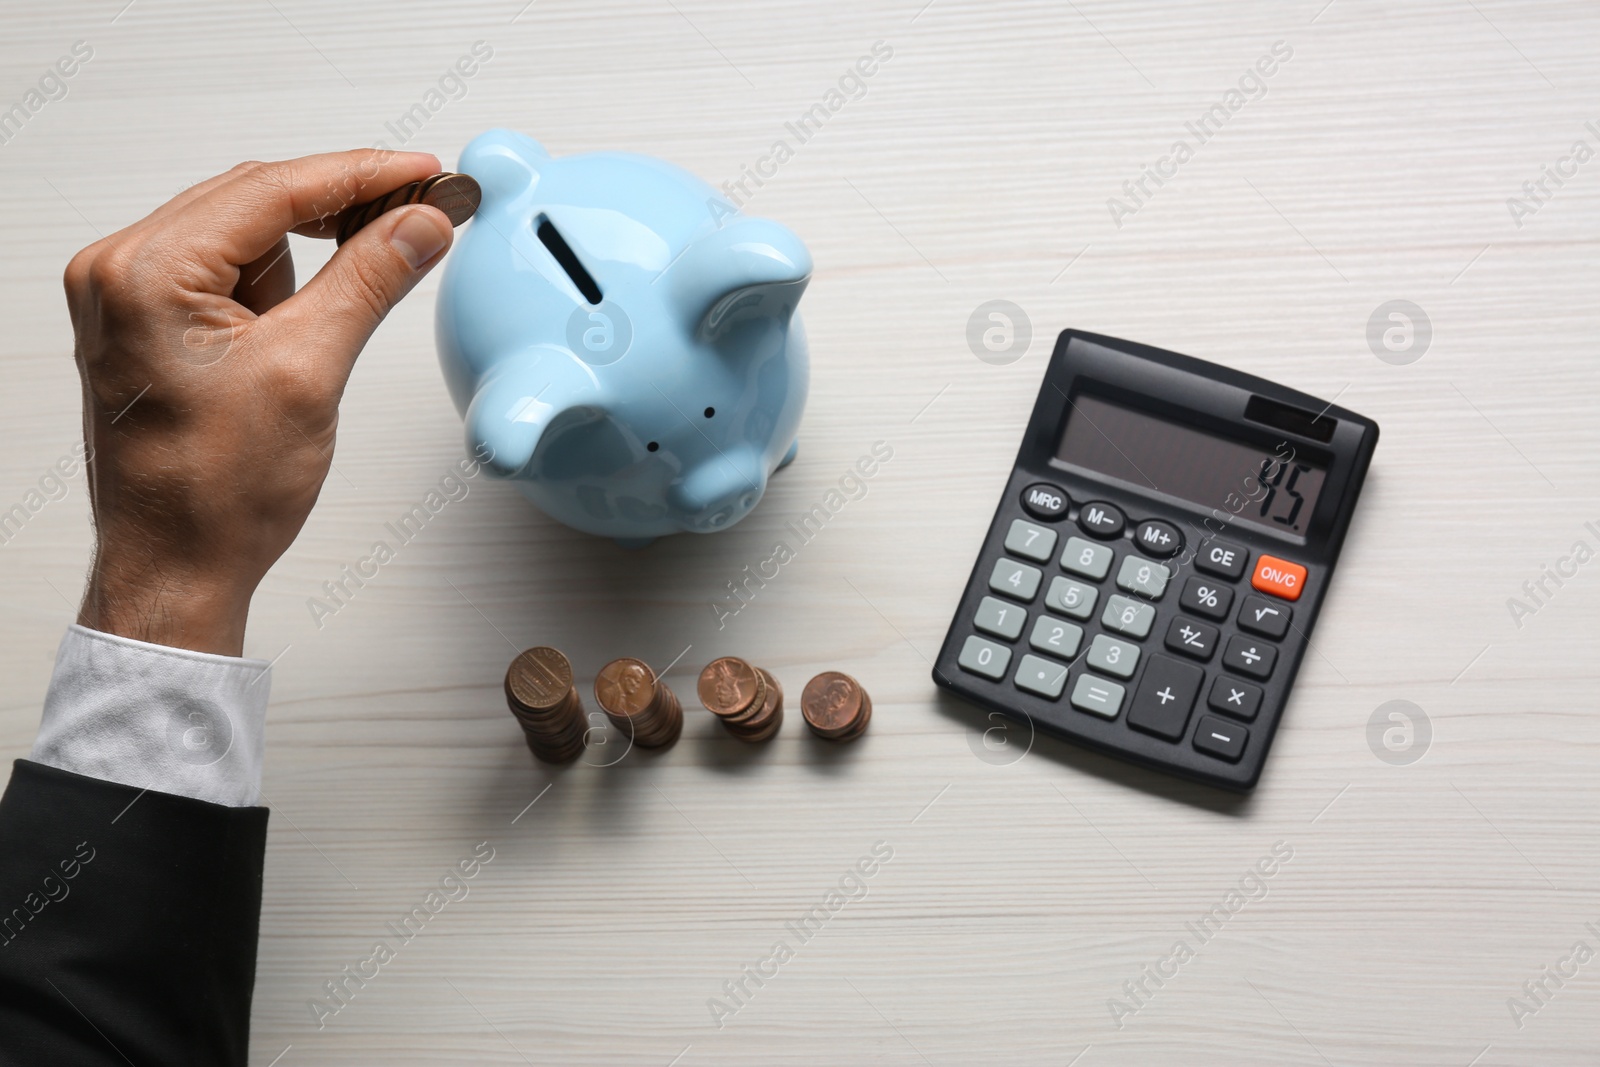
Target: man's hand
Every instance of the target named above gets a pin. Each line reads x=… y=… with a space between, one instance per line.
x=211 y=388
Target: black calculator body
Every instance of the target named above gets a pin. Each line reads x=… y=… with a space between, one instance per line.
x=1158 y=558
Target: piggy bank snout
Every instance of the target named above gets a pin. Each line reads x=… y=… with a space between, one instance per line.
x=720 y=492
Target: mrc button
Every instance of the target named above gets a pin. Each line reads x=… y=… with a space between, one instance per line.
x=1222 y=558
x=1045 y=501
x=1279 y=577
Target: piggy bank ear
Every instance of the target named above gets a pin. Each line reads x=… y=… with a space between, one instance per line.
x=520 y=400
x=746 y=268
x=506 y=163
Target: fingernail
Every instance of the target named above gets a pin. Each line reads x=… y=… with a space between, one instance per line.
x=418 y=238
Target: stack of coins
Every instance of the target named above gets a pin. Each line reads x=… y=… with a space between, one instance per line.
x=747 y=699
x=541 y=695
x=836 y=707
x=638 y=703
x=457 y=195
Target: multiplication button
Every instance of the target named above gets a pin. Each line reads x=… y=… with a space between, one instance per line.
x=1097 y=695
x=1015 y=579
x=1086 y=558
x=1070 y=598
x=1233 y=697
x=999 y=618
x=1030 y=541
x=1143 y=576
x=984 y=657
x=1042 y=676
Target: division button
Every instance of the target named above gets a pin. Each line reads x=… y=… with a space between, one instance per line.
x=1086 y=558
x=1164 y=698
x=1056 y=637
x=1030 y=541
x=1265 y=617
x=1045 y=501
x=1128 y=616
x=1042 y=676
x=1222 y=558
x=1193 y=638
x=984 y=657
x=1224 y=740
x=1157 y=538
x=1102 y=519
x=1279 y=577
x=1249 y=655
x=1113 y=657
x=1015 y=579
x=1070 y=598
x=999 y=618
x=1232 y=697
x=1202 y=596
x=1097 y=695
x=1143 y=576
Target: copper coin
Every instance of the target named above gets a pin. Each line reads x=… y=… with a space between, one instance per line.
x=625 y=687
x=539 y=678
x=457 y=195
x=729 y=687
x=830 y=703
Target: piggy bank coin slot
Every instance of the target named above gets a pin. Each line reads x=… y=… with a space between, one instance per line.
x=551 y=238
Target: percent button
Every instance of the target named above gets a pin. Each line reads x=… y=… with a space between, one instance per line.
x=1206 y=597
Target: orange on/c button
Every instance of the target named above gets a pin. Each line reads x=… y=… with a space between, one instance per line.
x=1278 y=577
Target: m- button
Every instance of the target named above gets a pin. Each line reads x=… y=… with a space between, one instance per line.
x=1279 y=577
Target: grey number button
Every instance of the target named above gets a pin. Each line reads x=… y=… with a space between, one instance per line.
x=1071 y=598
x=1056 y=637
x=1030 y=541
x=1113 y=656
x=1014 y=579
x=1129 y=616
x=1086 y=558
x=998 y=617
x=1143 y=576
x=1097 y=695
x=1042 y=676
x=984 y=657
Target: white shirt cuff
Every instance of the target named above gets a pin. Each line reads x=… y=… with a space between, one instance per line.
x=155 y=717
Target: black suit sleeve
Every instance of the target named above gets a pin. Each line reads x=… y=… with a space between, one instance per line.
x=128 y=923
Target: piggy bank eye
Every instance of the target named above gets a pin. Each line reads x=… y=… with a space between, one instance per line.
x=710 y=412
x=652 y=446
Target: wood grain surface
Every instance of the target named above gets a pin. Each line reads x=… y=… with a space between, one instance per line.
x=1026 y=885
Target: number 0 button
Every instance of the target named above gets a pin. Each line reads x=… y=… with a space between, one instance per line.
x=984 y=657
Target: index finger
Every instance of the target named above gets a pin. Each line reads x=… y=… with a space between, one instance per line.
x=242 y=219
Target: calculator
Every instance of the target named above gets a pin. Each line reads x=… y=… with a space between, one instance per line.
x=1158 y=557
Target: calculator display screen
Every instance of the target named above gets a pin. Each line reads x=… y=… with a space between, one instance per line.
x=1275 y=488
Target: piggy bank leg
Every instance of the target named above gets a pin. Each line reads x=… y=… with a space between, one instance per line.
x=634 y=542
x=788 y=457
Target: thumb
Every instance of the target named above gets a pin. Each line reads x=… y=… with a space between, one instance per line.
x=367 y=276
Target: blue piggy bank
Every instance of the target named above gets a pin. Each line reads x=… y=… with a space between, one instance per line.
x=621 y=342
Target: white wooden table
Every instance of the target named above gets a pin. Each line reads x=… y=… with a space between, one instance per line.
x=1023 y=893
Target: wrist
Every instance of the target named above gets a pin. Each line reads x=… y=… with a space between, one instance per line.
x=164 y=606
